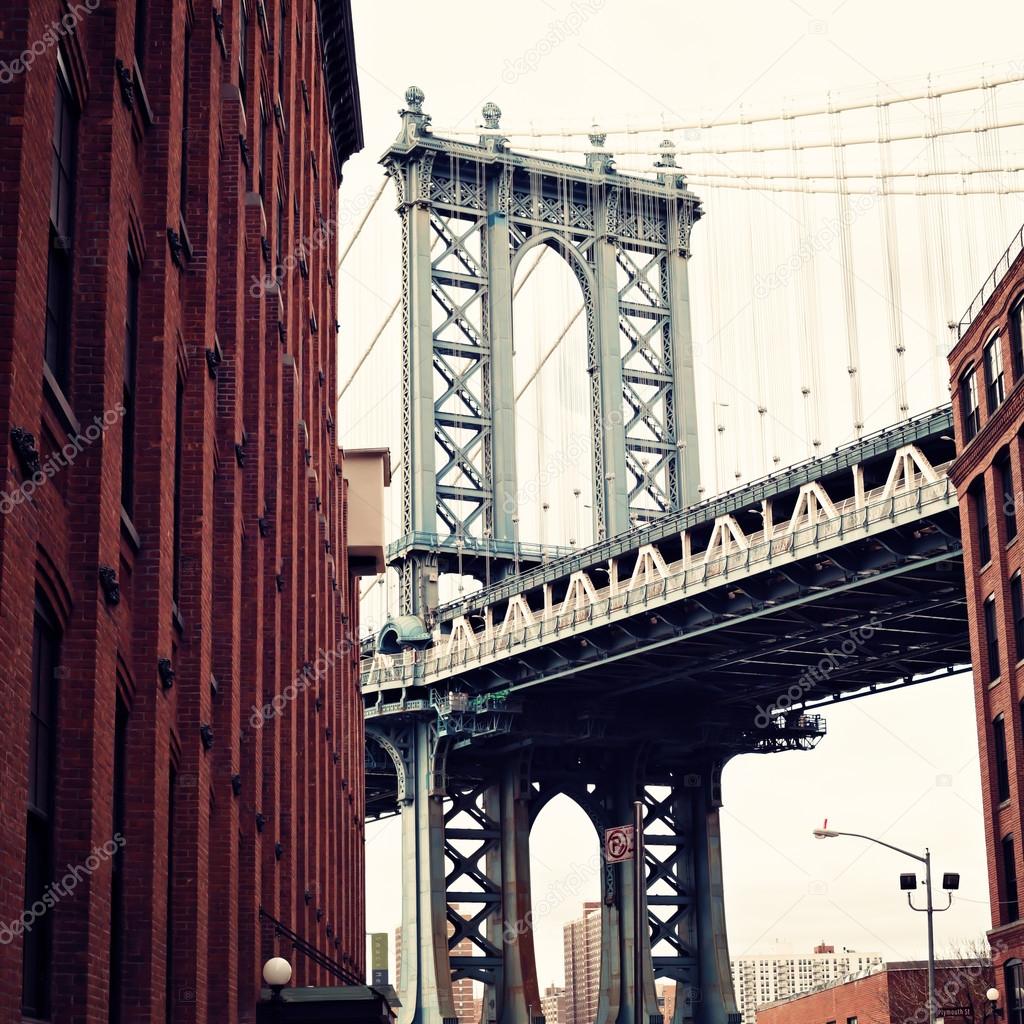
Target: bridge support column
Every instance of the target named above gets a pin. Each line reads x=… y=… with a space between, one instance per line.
x=515 y=998
x=425 y=981
x=686 y=910
x=618 y=925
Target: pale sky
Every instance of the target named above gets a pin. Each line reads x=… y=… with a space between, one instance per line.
x=902 y=766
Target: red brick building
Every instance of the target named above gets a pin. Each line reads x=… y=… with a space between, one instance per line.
x=889 y=994
x=180 y=726
x=987 y=379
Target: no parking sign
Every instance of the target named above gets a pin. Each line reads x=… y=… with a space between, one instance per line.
x=618 y=844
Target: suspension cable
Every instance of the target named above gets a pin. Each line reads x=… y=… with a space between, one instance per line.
x=362 y=223
x=685 y=151
x=1012 y=77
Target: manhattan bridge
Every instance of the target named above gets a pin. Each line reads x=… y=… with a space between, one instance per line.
x=683 y=623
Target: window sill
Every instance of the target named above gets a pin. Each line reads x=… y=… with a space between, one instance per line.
x=58 y=402
x=129 y=531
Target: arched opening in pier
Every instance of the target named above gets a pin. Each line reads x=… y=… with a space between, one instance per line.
x=554 y=436
x=565 y=885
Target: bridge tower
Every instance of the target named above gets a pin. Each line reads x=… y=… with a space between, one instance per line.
x=471 y=773
x=470 y=212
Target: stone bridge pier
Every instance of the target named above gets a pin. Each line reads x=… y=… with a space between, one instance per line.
x=466 y=821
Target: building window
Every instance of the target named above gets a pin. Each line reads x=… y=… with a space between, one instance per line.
x=1017 y=338
x=179 y=417
x=1006 y=493
x=995 y=390
x=999 y=757
x=970 y=410
x=1013 y=975
x=991 y=637
x=243 y=49
x=279 y=255
x=1011 y=905
x=977 y=493
x=1017 y=602
x=262 y=183
x=172 y=779
x=131 y=352
x=37 y=948
x=117 y=904
x=141 y=17
x=282 y=13
x=186 y=75
x=62 y=203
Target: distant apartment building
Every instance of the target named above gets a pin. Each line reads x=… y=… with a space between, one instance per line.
x=582 y=940
x=759 y=980
x=667 y=1001
x=891 y=992
x=552 y=1005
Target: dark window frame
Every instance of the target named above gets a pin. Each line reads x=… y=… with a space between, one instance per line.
x=991 y=637
x=970 y=404
x=1017 y=337
x=983 y=527
x=37 y=944
x=179 y=454
x=1017 y=606
x=1013 y=977
x=262 y=177
x=243 y=52
x=995 y=378
x=1000 y=758
x=60 y=258
x=133 y=285
x=141 y=25
x=119 y=803
x=172 y=780
x=1010 y=899
x=1007 y=491
x=186 y=98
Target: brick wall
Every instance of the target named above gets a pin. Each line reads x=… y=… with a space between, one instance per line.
x=1000 y=432
x=270 y=813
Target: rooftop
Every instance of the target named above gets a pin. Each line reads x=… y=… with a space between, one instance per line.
x=992 y=282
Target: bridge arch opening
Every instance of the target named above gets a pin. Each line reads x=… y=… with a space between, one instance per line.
x=554 y=435
x=566 y=904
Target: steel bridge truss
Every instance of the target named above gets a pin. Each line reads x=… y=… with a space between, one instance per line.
x=467 y=808
x=469 y=215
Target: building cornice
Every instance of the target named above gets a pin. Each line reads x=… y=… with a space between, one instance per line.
x=1008 y=416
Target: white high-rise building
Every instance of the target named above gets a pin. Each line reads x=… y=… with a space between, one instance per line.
x=761 y=979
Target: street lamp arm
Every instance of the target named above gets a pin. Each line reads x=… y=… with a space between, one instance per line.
x=935 y=910
x=879 y=842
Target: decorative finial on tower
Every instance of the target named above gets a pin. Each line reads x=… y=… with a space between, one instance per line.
x=597 y=137
x=414 y=98
x=492 y=115
x=668 y=154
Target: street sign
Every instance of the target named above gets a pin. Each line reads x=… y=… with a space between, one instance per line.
x=949 y=1012
x=618 y=844
x=379 y=958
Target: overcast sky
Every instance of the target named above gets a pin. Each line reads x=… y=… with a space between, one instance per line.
x=902 y=766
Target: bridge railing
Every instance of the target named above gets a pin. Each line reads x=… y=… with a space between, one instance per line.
x=992 y=282
x=852 y=518
x=888 y=439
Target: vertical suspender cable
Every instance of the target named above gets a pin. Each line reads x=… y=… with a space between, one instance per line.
x=939 y=250
x=893 y=285
x=810 y=321
x=849 y=286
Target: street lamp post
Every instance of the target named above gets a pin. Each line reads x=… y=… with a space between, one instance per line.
x=950 y=881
